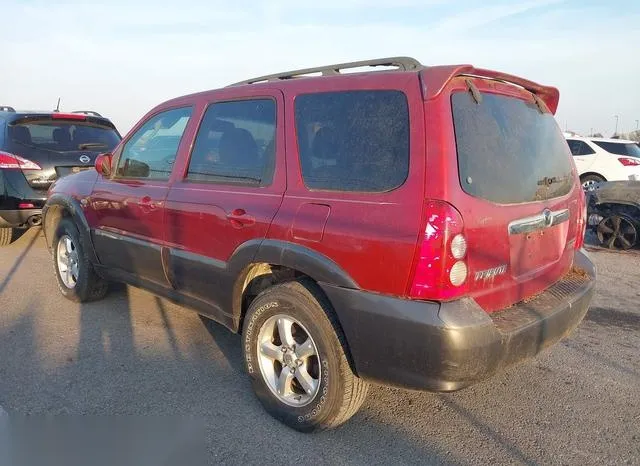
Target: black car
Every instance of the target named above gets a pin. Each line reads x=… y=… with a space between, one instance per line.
x=36 y=148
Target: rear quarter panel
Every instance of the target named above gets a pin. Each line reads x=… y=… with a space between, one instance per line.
x=371 y=236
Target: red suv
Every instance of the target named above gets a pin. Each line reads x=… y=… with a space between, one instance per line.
x=415 y=226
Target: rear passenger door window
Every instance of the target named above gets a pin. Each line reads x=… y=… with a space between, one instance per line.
x=235 y=144
x=354 y=141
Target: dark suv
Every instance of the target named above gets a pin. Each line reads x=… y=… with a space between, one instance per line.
x=420 y=227
x=35 y=149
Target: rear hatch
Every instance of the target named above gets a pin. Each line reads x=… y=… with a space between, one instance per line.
x=59 y=144
x=519 y=197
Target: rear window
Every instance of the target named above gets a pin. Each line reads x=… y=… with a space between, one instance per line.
x=620 y=148
x=509 y=152
x=64 y=136
x=353 y=141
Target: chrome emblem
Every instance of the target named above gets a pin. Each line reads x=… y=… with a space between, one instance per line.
x=85 y=159
x=548 y=217
x=492 y=273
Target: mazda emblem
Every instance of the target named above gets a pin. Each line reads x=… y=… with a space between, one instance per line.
x=85 y=159
x=548 y=218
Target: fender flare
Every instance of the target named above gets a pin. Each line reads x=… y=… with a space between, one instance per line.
x=73 y=207
x=314 y=264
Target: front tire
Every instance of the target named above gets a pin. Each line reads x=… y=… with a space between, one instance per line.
x=294 y=352
x=75 y=275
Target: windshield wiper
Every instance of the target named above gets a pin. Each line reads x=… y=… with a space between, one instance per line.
x=90 y=145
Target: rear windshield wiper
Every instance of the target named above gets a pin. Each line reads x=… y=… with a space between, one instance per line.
x=90 y=145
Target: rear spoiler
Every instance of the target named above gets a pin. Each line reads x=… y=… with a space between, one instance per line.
x=435 y=78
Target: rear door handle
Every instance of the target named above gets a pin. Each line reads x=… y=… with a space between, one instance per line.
x=239 y=218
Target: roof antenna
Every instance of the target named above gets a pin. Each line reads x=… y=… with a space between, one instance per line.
x=57 y=106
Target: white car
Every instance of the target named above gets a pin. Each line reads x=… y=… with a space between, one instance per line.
x=599 y=159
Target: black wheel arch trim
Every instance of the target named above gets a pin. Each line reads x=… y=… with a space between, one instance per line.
x=305 y=260
x=73 y=207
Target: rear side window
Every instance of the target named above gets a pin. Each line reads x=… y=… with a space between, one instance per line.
x=579 y=147
x=353 y=141
x=63 y=136
x=236 y=144
x=620 y=148
x=509 y=152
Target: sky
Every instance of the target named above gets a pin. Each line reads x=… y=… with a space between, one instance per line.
x=122 y=58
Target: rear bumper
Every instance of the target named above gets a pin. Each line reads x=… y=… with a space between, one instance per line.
x=448 y=346
x=19 y=218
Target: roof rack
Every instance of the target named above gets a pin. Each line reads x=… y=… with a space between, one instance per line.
x=6 y=108
x=401 y=63
x=88 y=112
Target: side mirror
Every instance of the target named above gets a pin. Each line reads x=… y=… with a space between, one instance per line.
x=103 y=164
x=136 y=169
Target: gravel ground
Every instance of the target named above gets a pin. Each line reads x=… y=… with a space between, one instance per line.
x=135 y=354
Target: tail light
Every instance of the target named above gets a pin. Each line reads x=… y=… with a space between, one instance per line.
x=582 y=219
x=441 y=270
x=628 y=161
x=16 y=162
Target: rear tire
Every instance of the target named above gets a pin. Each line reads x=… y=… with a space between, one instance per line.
x=588 y=181
x=75 y=275
x=6 y=236
x=319 y=390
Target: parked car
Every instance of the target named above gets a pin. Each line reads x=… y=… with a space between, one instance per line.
x=600 y=159
x=614 y=213
x=35 y=149
x=354 y=227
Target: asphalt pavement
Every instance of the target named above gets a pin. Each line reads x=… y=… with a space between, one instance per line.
x=135 y=354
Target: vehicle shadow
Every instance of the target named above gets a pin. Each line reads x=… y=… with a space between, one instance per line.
x=30 y=237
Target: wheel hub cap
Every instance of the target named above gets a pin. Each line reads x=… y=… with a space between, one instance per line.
x=67 y=261
x=288 y=360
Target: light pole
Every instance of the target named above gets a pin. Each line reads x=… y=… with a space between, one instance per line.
x=637 y=121
x=615 y=133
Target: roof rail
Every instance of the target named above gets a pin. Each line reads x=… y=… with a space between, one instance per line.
x=88 y=112
x=401 y=63
x=6 y=108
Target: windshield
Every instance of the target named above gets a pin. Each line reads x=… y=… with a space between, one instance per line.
x=620 y=148
x=509 y=152
x=64 y=136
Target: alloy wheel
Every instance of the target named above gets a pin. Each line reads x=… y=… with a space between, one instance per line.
x=617 y=232
x=67 y=261
x=288 y=360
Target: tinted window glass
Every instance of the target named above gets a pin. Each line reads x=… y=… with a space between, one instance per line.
x=236 y=143
x=64 y=136
x=579 y=147
x=620 y=148
x=353 y=141
x=152 y=149
x=508 y=152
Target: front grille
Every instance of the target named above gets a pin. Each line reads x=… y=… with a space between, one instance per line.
x=544 y=304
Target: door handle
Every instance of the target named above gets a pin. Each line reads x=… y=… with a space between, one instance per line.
x=148 y=204
x=239 y=218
